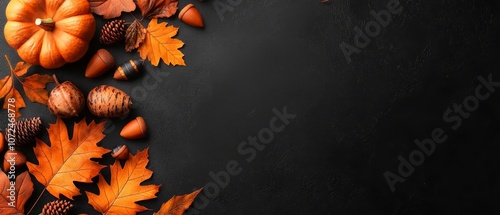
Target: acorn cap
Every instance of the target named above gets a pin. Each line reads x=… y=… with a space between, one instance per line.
x=120 y=152
x=135 y=129
x=100 y=63
x=191 y=16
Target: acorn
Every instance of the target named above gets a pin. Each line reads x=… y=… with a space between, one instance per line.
x=13 y=158
x=128 y=70
x=65 y=100
x=107 y=101
x=120 y=152
x=135 y=129
x=191 y=16
x=100 y=63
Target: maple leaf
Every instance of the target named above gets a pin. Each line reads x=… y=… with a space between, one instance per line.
x=67 y=160
x=135 y=34
x=124 y=188
x=160 y=44
x=111 y=8
x=157 y=8
x=178 y=204
x=23 y=188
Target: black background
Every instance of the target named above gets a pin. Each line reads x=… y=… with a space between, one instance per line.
x=353 y=119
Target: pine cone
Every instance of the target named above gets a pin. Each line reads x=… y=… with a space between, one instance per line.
x=113 y=32
x=57 y=207
x=27 y=130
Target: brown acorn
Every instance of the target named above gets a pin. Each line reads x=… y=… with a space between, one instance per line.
x=107 y=101
x=101 y=62
x=135 y=129
x=13 y=158
x=65 y=100
x=120 y=152
x=128 y=70
x=191 y=16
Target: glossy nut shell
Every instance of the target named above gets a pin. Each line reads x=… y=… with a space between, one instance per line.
x=100 y=63
x=135 y=129
x=66 y=100
x=109 y=102
x=120 y=152
x=191 y=16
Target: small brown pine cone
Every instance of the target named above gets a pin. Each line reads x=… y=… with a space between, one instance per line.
x=57 y=207
x=27 y=130
x=113 y=32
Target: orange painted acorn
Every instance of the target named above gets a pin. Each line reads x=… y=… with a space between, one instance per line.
x=135 y=129
x=13 y=158
x=191 y=16
x=120 y=152
x=128 y=70
x=100 y=63
x=108 y=101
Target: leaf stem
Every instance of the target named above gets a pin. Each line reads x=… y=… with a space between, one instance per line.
x=8 y=62
x=55 y=79
x=136 y=17
x=38 y=199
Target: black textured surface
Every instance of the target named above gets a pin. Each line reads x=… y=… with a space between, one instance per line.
x=352 y=121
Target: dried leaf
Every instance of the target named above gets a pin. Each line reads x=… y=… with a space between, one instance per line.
x=16 y=105
x=23 y=189
x=34 y=88
x=124 y=189
x=5 y=85
x=157 y=8
x=111 y=8
x=160 y=44
x=67 y=160
x=136 y=33
x=21 y=68
x=178 y=204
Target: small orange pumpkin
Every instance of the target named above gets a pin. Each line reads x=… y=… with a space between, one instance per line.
x=49 y=33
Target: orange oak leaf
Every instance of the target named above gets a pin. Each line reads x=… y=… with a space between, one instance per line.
x=34 y=88
x=178 y=204
x=160 y=44
x=111 y=8
x=125 y=189
x=67 y=160
x=157 y=8
x=22 y=187
x=13 y=101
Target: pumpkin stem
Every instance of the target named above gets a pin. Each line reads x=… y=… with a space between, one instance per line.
x=55 y=79
x=47 y=23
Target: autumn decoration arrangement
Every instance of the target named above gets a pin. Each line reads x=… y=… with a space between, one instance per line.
x=53 y=33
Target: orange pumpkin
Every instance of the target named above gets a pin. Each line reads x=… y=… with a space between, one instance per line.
x=49 y=33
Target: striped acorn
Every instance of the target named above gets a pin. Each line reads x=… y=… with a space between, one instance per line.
x=65 y=100
x=128 y=70
x=109 y=102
